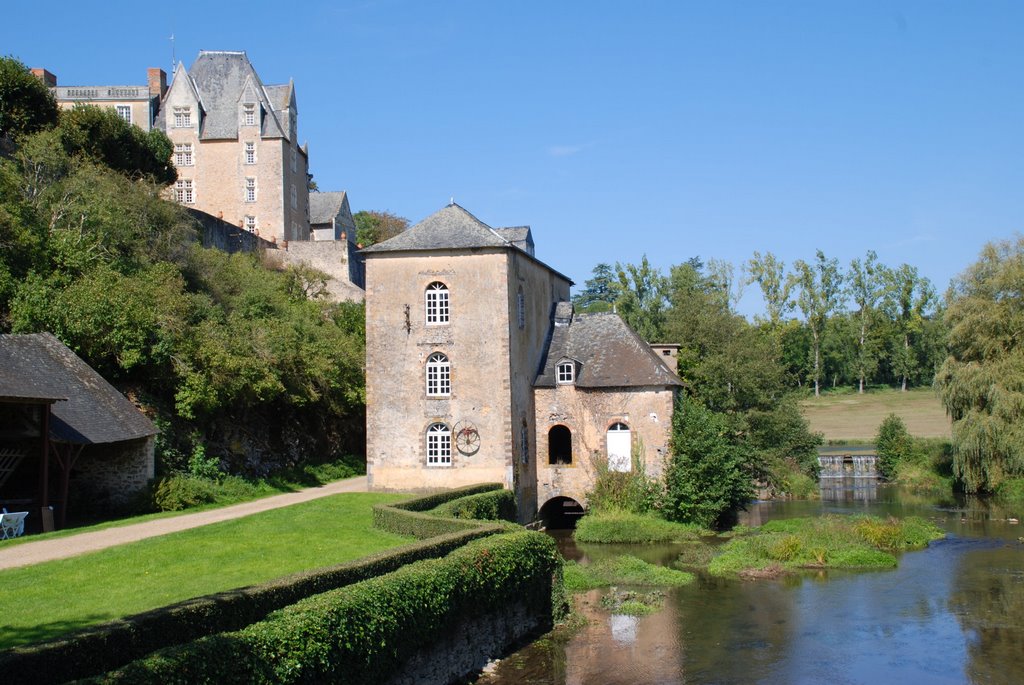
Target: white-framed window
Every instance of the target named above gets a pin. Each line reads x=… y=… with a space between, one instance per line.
x=620 y=448
x=439 y=445
x=183 y=154
x=182 y=117
x=248 y=114
x=437 y=304
x=250 y=153
x=566 y=372
x=250 y=190
x=439 y=375
x=250 y=223
x=183 y=191
x=125 y=112
x=521 y=307
x=295 y=197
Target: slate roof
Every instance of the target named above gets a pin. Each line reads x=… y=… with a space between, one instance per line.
x=454 y=228
x=89 y=410
x=450 y=228
x=609 y=353
x=221 y=78
x=519 y=236
x=323 y=207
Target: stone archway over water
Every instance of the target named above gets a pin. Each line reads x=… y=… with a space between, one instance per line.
x=561 y=513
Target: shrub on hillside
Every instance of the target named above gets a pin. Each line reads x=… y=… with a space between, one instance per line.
x=181 y=491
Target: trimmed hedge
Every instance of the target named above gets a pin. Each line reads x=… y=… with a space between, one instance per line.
x=408 y=517
x=110 y=645
x=105 y=647
x=365 y=633
x=497 y=505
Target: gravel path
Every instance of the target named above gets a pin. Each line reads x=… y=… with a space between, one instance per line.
x=60 y=548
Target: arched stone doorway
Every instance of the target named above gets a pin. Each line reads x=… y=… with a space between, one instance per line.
x=561 y=513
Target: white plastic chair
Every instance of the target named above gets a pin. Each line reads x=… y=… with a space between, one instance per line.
x=12 y=525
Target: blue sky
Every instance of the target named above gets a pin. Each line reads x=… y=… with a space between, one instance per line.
x=615 y=129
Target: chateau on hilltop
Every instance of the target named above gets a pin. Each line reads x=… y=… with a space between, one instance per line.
x=238 y=159
x=478 y=370
x=236 y=146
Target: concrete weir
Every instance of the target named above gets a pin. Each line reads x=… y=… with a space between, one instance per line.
x=848 y=462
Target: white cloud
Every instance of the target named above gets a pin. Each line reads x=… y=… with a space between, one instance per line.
x=568 y=150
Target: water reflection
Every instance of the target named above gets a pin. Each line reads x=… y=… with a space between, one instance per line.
x=952 y=613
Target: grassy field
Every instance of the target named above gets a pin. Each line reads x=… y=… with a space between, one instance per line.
x=43 y=601
x=849 y=416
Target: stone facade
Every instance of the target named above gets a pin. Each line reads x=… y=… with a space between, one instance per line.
x=588 y=415
x=491 y=367
x=467 y=393
x=236 y=146
x=115 y=471
x=136 y=104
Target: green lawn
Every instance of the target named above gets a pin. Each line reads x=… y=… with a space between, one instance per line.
x=42 y=601
x=849 y=416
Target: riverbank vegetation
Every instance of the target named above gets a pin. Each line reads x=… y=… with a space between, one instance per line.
x=621 y=570
x=626 y=527
x=825 y=542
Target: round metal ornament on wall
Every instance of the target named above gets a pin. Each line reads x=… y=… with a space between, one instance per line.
x=467 y=438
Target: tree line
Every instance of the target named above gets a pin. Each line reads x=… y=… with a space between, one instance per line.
x=861 y=325
x=828 y=325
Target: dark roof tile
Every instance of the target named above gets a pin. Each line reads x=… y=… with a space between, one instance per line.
x=89 y=410
x=610 y=354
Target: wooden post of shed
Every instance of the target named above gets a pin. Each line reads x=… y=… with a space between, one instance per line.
x=46 y=513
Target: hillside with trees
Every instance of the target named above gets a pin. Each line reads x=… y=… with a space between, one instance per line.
x=241 y=369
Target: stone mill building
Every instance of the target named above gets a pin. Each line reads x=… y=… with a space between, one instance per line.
x=478 y=370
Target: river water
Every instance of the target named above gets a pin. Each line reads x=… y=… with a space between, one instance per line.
x=952 y=613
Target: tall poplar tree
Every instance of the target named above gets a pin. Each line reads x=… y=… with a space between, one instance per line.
x=909 y=299
x=866 y=286
x=819 y=287
x=770 y=275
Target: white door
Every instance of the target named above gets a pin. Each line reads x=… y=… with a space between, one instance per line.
x=619 y=448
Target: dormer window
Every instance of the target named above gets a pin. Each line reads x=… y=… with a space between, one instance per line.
x=248 y=114
x=182 y=117
x=566 y=372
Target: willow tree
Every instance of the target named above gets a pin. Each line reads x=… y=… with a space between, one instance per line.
x=982 y=380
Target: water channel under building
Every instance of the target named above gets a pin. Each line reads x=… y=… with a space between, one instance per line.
x=951 y=613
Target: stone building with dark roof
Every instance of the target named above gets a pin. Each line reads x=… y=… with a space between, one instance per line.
x=63 y=428
x=236 y=146
x=479 y=370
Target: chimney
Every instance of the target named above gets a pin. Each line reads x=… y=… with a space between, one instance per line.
x=157 y=82
x=668 y=353
x=46 y=77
